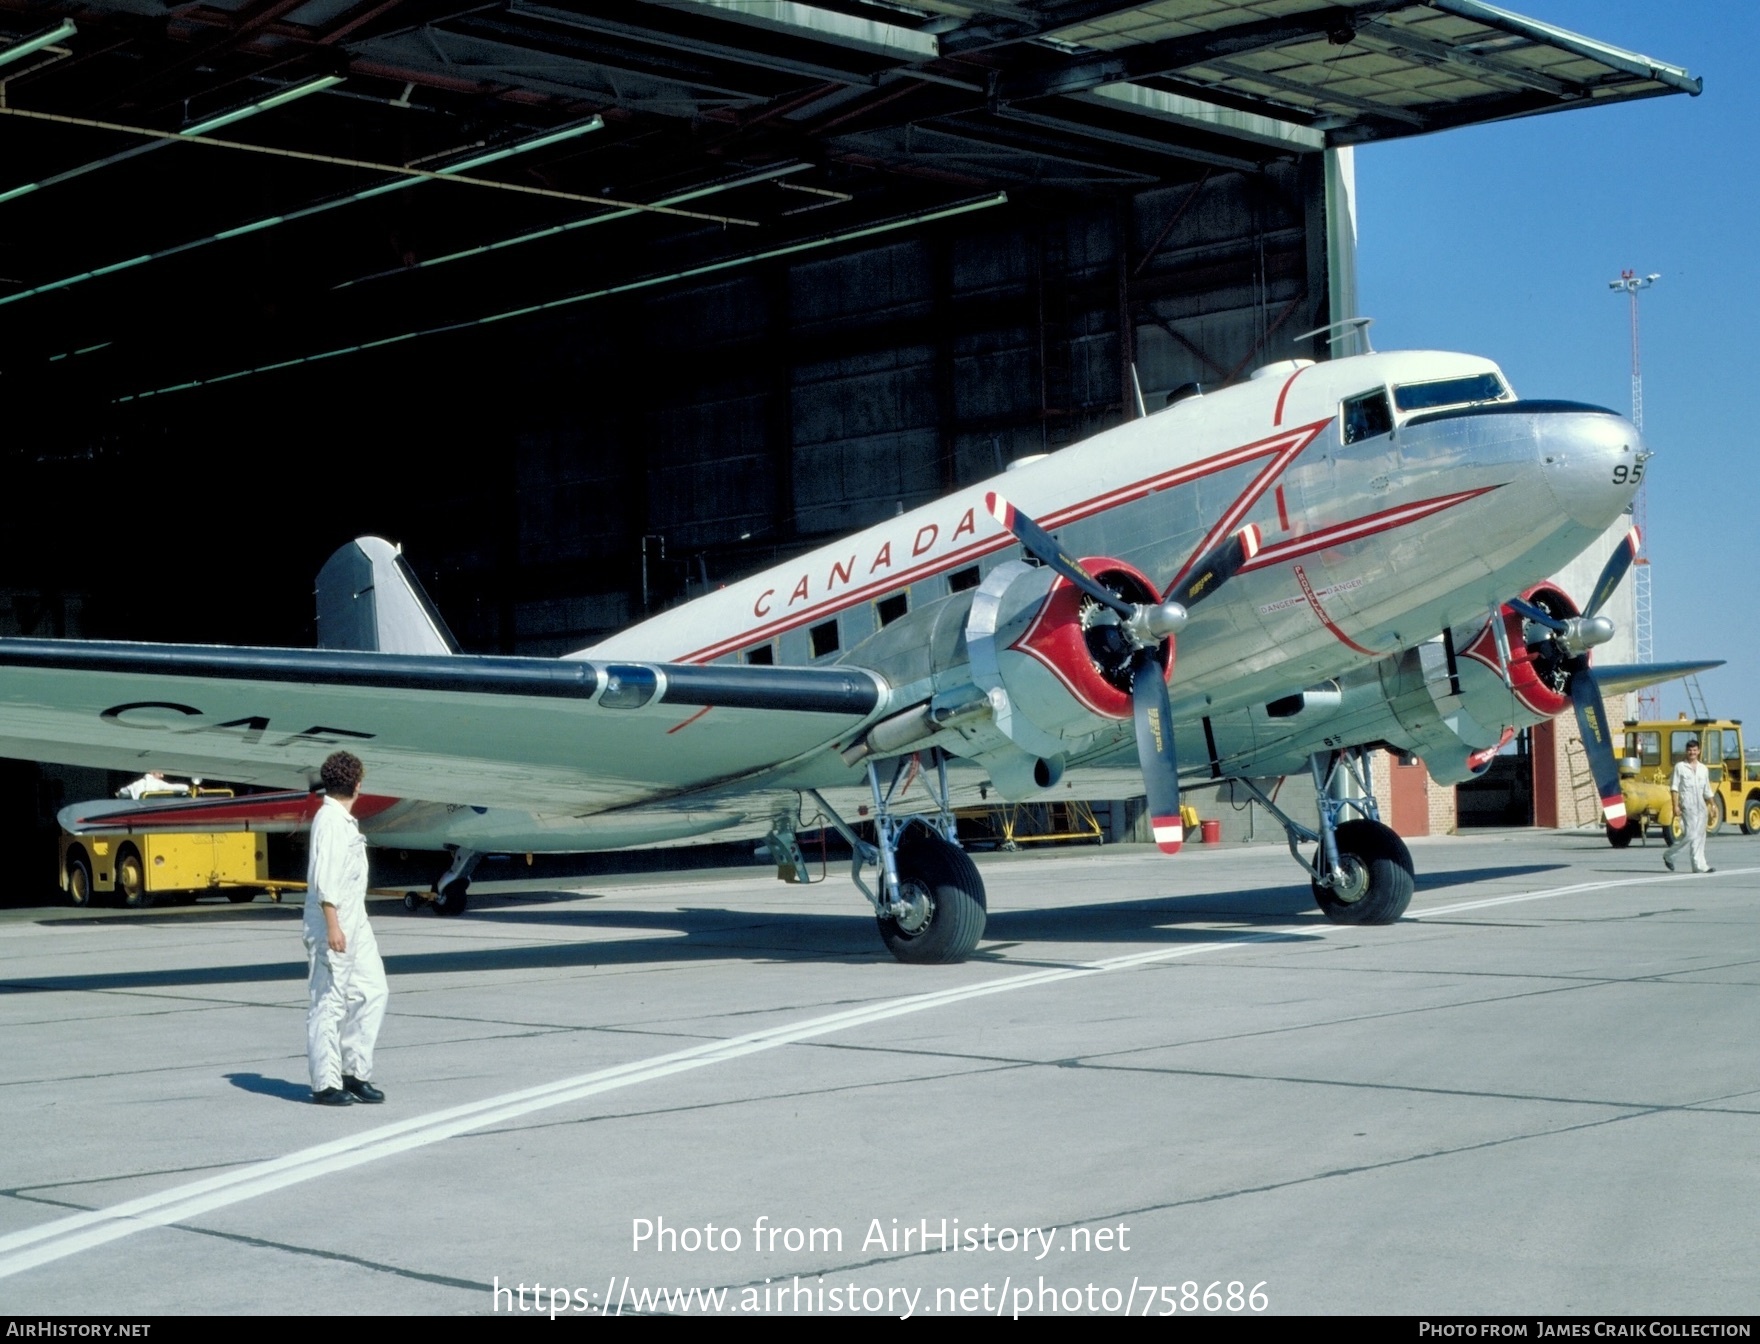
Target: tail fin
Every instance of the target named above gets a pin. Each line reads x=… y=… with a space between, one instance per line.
x=369 y=600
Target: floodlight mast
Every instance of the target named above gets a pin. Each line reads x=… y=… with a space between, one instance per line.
x=1649 y=700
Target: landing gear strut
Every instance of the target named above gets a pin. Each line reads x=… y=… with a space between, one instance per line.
x=448 y=894
x=930 y=907
x=1361 y=872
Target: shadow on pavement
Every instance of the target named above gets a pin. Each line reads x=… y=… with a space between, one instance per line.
x=279 y=1088
x=708 y=933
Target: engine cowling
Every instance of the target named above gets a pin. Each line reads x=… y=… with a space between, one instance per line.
x=1457 y=717
x=1055 y=663
x=1538 y=678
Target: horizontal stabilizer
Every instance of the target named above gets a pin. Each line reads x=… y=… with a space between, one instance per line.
x=1619 y=678
x=370 y=601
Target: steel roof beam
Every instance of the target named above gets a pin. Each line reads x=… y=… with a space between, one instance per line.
x=1366 y=106
x=1149 y=59
x=1486 y=68
x=1544 y=34
x=978 y=34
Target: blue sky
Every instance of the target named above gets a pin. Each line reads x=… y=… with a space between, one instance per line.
x=1500 y=240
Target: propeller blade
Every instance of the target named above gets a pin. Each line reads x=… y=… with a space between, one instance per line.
x=1615 y=570
x=1597 y=741
x=1156 y=751
x=1217 y=568
x=1043 y=546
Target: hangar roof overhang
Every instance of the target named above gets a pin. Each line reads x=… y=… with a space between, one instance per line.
x=724 y=129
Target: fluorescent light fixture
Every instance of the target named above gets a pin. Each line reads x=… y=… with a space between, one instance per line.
x=286 y=95
x=24 y=48
x=628 y=286
x=305 y=212
x=763 y=175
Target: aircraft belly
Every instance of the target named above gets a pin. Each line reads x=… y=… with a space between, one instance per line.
x=505 y=831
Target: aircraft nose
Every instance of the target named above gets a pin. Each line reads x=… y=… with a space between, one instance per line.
x=1592 y=459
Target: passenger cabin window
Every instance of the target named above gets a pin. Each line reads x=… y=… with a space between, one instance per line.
x=889 y=609
x=962 y=579
x=764 y=654
x=1366 y=416
x=823 y=639
x=1449 y=392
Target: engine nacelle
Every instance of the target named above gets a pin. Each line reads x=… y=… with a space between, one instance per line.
x=1538 y=676
x=1456 y=714
x=1054 y=663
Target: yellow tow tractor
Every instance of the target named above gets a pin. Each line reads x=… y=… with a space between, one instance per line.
x=1648 y=760
x=136 y=854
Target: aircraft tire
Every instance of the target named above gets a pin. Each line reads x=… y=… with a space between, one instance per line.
x=451 y=899
x=1624 y=833
x=1381 y=868
x=79 y=879
x=943 y=881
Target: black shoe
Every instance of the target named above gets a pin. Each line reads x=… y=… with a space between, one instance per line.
x=332 y=1096
x=359 y=1089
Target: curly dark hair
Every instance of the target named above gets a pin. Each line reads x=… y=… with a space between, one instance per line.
x=342 y=773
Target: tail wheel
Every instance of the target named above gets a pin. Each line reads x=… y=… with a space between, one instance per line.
x=131 y=879
x=944 y=899
x=1378 y=876
x=451 y=899
x=79 y=879
x=1621 y=834
x=1714 y=815
x=1751 y=816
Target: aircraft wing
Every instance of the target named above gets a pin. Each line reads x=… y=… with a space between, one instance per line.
x=529 y=733
x=1619 y=678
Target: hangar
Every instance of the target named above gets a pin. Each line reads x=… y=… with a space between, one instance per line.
x=594 y=304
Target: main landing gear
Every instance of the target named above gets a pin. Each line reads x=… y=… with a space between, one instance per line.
x=448 y=894
x=1361 y=872
x=930 y=907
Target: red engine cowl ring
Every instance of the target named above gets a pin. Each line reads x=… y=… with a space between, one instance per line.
x=1536 y=671
x=1083 y=645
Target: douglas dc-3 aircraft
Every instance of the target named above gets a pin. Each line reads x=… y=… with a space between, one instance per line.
x=1344 y=555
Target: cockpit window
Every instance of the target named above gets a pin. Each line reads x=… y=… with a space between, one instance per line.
x=1449 y=392
x=1366 y=416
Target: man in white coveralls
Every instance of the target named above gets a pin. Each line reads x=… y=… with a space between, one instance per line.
x=1691 y=786
x=347 y=976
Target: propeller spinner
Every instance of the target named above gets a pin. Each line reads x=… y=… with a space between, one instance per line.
x=1148 y=626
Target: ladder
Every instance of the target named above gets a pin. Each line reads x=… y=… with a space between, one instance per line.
x=1585 y=797
x=1696 y=697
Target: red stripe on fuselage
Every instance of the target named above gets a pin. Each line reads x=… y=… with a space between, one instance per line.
x=1286 y=446
x=1277 y=417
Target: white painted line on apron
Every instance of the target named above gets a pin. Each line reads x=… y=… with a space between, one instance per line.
x=1570 y=891
x=63 y=1237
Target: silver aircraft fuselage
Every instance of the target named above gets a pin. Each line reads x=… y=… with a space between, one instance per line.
x=1373 y=541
